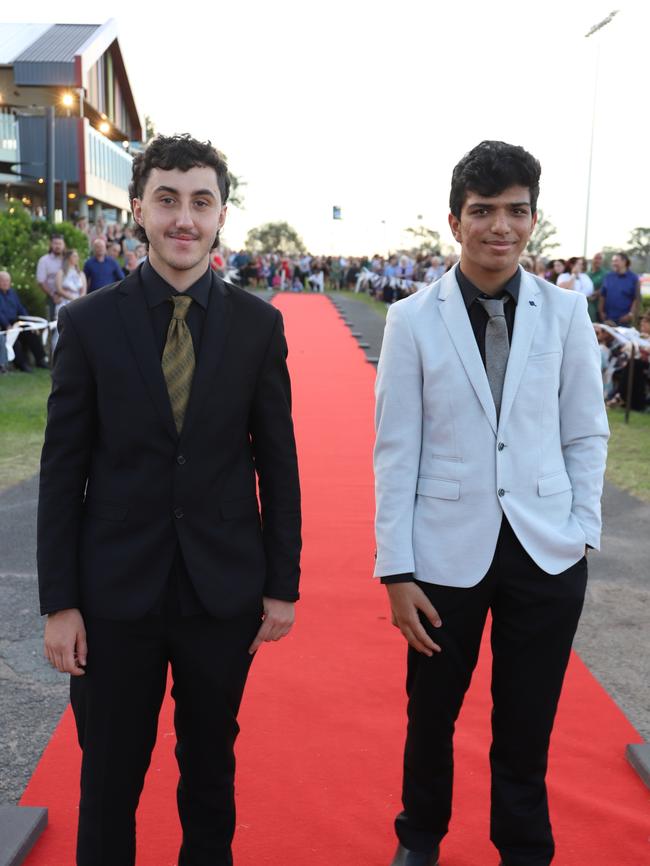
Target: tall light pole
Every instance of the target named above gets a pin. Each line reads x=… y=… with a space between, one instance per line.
x=591 y=32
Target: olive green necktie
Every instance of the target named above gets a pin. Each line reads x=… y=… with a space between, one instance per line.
x=178 y=359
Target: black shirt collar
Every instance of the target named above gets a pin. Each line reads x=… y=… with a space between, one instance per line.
x=157 y=290
x=470 y=292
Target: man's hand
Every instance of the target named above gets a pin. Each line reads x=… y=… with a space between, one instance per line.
x=406 y=600
x=277 y=620
x=65 y=641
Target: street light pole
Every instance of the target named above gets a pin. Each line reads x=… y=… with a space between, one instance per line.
x=591 y=32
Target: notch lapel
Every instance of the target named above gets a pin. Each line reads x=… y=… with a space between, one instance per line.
x=454 y=315
x=137 y=323
x=529 y=306
x=213 y=341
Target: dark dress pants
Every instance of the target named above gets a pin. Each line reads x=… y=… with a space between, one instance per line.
x=116 y=706
x=534 y=619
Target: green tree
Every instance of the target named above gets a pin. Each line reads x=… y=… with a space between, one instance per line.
x=639 y=246
x=236 y=196
x=149 y=128
x=22 y=242
x=543 y=234
x=425 y=240
x=275 y=237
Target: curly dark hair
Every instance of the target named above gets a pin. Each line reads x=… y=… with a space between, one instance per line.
x=176 y=151
x=489 y=169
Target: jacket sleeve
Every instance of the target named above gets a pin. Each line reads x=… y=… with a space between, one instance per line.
x=584 y=429
x=276 y=464
x=398 y=423
x=64 y=470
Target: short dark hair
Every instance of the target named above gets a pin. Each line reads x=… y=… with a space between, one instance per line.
x=625 y=258
x=489 y=169
x=176 y=151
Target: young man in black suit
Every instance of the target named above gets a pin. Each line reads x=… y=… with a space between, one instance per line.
x=170 y=400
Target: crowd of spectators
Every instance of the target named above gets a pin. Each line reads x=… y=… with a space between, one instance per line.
x=613 y=295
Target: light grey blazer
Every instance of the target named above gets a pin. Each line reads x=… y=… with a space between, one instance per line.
x=444 y=470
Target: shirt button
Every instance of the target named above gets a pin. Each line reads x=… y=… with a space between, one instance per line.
x=178 y=512
x=501 y=491
x=501 y=446
x=180 y=460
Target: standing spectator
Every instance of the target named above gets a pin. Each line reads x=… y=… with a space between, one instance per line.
x=596 y=274
x=573 y=277
x=557 y=268
x=47 y=268
x=11 y=309
x=131 y=262
x=100 y=269
x=98 y=229
x=141 y=253
x=620 y=293
x=130 y=242
x=70 y=280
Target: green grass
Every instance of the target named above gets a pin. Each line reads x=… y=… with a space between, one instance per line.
x=628 y=461
x=363 y=298
x=23 y=399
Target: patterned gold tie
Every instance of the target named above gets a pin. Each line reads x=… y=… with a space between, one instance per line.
x=178 y=359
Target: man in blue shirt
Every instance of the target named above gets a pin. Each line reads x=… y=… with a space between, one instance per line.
x=100 y=269
x=11 y=309
x=620 y=293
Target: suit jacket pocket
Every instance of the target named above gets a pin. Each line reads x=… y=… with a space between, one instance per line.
x=438 y=488
x=558 y=482
x=235 y=509
x=106 y=510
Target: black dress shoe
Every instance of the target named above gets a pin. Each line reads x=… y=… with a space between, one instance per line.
x=404 y=857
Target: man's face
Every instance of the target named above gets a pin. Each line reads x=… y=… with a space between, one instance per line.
x=181 y=212
x=493 y=232
x=597 y=261
x=618 y=264
x=58 y=246
x=5 y=281
x=99 y=248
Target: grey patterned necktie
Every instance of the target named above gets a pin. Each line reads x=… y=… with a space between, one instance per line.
x=497 y=345
x=178 y=359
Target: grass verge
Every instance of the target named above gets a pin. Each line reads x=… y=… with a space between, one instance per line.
x=628 y=461
x=23 y=406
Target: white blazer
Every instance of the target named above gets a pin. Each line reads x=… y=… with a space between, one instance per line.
x=444 y=470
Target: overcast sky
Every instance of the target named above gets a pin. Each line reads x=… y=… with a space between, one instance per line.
x=369 y=106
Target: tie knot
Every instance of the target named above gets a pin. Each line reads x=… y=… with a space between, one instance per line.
x=181 y=306
x=494 y=306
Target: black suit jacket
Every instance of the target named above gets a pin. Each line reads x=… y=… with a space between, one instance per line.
x=119 y=489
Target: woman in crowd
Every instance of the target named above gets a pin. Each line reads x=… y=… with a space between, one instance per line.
x=573 y=277
x=70 y=283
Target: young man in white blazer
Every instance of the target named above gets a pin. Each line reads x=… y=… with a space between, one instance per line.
x=489 y=464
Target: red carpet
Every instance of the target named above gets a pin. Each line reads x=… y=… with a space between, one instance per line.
x=323 y=717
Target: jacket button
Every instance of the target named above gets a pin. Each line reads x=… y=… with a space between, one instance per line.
x=180 y=460
x=178 y=512
x=501 y=491
x=501 y=446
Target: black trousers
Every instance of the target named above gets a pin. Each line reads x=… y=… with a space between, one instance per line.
x=28 y=340
x=534 y=619
x=116 y=706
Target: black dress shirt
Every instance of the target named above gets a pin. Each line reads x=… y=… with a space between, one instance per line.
x=478 y=319
x=179 y=597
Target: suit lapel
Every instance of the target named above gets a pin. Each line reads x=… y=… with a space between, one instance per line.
x=454 y=315
x=213 y=339
x=137 y=323
x=529 y=306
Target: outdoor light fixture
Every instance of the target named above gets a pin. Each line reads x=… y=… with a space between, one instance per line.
x=72 y=195
x=41 y=180
x=90 y=202
x=104 y=127
x=67 y=100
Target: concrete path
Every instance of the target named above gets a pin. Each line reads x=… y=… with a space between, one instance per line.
x=612 y=638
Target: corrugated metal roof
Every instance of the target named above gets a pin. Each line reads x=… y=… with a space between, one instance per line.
x=58 y=44
x=16 y=38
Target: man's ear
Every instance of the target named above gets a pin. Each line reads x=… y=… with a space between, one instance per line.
x=454 y=225
x=136 y=209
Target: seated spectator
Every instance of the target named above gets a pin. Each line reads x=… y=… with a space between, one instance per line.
x=11 y=309
x=101 y=269
x=130 y=262
x=435 y=270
